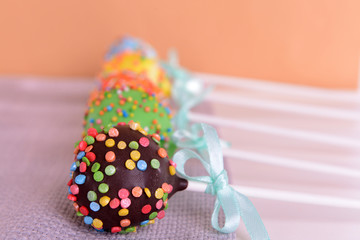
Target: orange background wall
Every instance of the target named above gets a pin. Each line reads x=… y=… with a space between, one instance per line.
x=314 y=42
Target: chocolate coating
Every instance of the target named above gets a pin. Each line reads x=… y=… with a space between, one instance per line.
x=125 y=178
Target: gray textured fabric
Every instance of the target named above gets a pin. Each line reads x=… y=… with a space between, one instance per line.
x=39 y=122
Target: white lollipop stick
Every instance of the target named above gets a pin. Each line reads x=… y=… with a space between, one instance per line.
x=286 y=196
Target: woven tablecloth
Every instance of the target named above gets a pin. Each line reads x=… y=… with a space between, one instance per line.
x=39 y=123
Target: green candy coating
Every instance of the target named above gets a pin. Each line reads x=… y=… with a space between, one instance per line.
x=122 y=106
x=107 y=128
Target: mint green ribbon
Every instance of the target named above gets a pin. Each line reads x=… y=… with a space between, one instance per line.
x=234 y=204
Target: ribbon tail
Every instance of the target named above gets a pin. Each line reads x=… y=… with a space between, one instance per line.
x=252 y=219
x=225 y=200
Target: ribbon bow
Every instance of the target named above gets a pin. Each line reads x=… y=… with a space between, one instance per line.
x=234 y=204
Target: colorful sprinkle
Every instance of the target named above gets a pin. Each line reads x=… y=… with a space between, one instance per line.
x=72 y=197
x=82 y=167
x=95 y=167
x=89 y=140
x=80 y=155
x=101 y=137
x=165 y=187
x=89 y=148
x=153 y=215
x=91 y=196
x=162 y=153
x=82 y=145
x=103 y=188
x=110 y=170
x=172 y=170
x=104 y=200
x=98 y=176
x=144 y=141
x=159 y=204
x=88 y=220
x=91 y=156
x=76 y=150
x=147 y=192
x=84 y=211
x=170 y=188
x=113 y=132
x=123 y=193
x=165 y=196
x=130 y=164
x=136 y=191
x=97 y=223
x=134 y=125
x=141 y=165
x=80 y=179
x=114 y=203
x=123 y=212
x=110 y=142
x=159 y=193
x=133 y=145
x=172 y=163
x=143 y=131
x=70 y=182
x=121 y=145
x=155 y=164
x=110 y=156
x=135 y=155
x=146 y=209
x=86 y=161
x=144 y=222
x=125 y=203
x=115 y=229
x=125 y=222
x=94 y=206
x=74 y=189
x=73 y=167
x=107 y=128
x=156 y=137
x=161 y=214
x=92 y=132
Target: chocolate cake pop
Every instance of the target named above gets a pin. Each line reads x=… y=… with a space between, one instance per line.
x=122 y=178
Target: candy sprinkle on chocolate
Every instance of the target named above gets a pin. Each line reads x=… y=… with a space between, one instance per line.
x=122 y=179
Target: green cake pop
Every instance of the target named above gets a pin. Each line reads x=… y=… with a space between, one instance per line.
x=124 y=104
